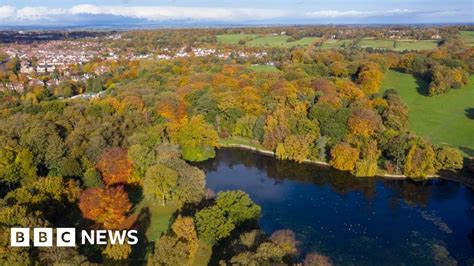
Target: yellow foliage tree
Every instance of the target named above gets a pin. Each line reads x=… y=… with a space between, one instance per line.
x=344 y=157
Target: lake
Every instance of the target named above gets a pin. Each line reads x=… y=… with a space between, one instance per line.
x=351 y=220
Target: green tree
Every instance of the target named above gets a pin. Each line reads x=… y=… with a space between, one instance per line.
x=196 y=138
x=237 y=206
x=212 y=225
x=159 y=183
x=92 y=179
x=16 y=166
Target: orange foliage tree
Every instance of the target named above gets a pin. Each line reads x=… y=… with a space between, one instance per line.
x=363 y=122
x=115 y=166
x=107 y=207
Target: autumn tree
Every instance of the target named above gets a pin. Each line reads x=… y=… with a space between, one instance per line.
x=286 y=239
x=196 y=138
x=16 y=166
x=171 y=106
x=344 y=157
x=295 y=147
x=169 y=250
x=367 y=165
x=370 y=77
x=115 y=166
x=108 y=207
x=159 y=183
x=315 y=259
x=420 y=161
x=117 y=251
x=364 y=122
x=183 y=227
x=449 y=158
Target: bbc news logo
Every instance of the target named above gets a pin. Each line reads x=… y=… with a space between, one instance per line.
x=66 y=237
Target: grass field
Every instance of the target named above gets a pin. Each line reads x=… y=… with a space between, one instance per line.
x=444 y=119
x=240 y=141
x=398 y=45
x=281 y=41
x=414 y=45
x=264 y=68
x=330 y=44
x=268 y=40
x=468 y=37
x=159 y=217
x=234 y=38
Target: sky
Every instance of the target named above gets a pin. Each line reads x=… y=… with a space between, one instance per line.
x=142 y=12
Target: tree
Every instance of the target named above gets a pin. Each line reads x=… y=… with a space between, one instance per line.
x=449 y=159
x=190 y=184
x=184 y=229
x=269 y=252
x=196 y=138
x=237 y=206
x=212 y=225
x=420 y=161
x=16 y=166
x=285 y=238
x=315 y=259
x=363 y=122
x=117 y=251
x=169 y=250
x=114 y=166
x=108 y=207
x=344 y=157
x=295 y=147
x=370 y=77
x=367 y=165
x=333 y=122
x=159 y=183
x=92 y=179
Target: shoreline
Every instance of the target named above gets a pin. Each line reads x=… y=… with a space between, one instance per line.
x=460 y=179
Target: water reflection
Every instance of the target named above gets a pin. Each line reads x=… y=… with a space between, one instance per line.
x=353 y=220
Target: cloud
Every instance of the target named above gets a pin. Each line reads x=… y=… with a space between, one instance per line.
x=116 y=14
x=335 y=14
x=6 y=12
x=357 y=13
x=150 y=13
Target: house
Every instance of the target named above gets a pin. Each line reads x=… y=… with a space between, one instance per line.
x=18 y=87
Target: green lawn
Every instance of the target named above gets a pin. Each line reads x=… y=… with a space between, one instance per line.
x=376 y=44
x=281 y=41
x=399 y=45
x=240 y=141
x=468 y=37
x=159 y=217
x=415 y=45
x=264 y=68
x=160 y=220
x=234 y=38
x=444 y=119
x=330 y=44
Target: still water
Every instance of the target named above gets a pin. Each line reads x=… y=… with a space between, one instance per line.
x=362 y=221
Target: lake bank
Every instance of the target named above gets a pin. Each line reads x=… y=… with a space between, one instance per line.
x=467 y=181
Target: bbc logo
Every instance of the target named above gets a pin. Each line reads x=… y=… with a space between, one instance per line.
x=43 y=237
